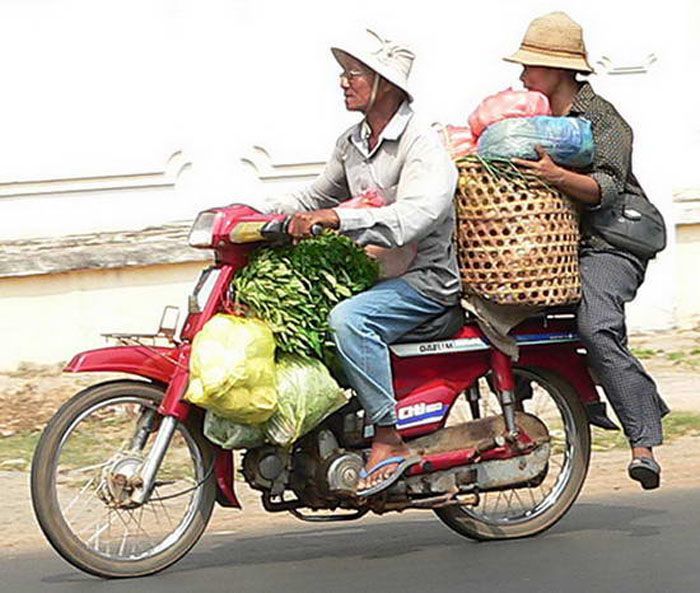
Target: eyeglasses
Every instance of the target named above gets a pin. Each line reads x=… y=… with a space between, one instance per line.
x=350 y=75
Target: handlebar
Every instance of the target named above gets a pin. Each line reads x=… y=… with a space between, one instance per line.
x=278 y=230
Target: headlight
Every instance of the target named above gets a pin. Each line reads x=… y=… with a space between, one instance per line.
x=202 y=232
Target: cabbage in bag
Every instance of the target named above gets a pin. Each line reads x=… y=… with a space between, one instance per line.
x=306 y=394
x=232 y=369
x=232 y=435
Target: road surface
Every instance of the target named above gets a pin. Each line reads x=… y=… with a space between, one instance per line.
x=648 y=543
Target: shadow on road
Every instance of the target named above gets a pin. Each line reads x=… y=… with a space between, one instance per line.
x=392 y=539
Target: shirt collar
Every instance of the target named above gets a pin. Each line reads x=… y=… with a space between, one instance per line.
x=583 y=99
x=360 y=134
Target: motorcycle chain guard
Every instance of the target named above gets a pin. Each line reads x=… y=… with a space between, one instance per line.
x=480 y=435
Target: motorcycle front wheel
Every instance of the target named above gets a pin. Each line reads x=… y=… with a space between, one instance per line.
x=528 y=510
x=80 y=491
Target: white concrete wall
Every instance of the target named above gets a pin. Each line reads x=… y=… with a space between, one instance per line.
x=51 y=318
x=687 y=308
x=114 y=89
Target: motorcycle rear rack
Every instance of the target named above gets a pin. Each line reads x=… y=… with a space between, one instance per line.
x=134 y=339
x=148 y=342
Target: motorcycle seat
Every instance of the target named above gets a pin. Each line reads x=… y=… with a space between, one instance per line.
x=442 y=327
x=447 y=324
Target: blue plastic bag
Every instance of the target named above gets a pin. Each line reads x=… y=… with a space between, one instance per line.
x=568 y=140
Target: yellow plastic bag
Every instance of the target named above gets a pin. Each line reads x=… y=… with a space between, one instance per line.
x=232 y=369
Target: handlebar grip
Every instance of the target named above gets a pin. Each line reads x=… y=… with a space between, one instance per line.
x=316 y=230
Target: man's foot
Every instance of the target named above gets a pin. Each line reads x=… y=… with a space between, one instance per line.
x=389 y=455
x=399 y=464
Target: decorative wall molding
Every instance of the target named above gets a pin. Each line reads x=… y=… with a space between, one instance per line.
x=608 y=66
x=176 y=164
x=687 y=194
x=260 y=161
x=686 y=206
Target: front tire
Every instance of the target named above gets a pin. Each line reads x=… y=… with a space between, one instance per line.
x=69 y=469
x=479 y=524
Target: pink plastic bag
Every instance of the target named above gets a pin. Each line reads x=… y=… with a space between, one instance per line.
x=370 y=199
x=394 y=261
x=505 y=105
x=459 y=141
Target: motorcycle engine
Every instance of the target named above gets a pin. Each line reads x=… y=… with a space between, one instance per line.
x=336 y=470
x=318 y=471
x=265 y=468
x=342 y=472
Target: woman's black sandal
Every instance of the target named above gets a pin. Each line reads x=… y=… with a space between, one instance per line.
x=645 y=471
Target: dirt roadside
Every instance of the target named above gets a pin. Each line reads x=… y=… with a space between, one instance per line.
x=31 y=395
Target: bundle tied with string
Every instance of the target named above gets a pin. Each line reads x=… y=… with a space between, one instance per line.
x=517 y=238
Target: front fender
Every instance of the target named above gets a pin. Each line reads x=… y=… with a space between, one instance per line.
x=157 y=364
x=154 y=363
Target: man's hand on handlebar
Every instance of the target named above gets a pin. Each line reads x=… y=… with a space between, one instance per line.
x=300 y=225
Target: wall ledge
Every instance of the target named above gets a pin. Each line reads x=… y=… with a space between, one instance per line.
x=166 y=244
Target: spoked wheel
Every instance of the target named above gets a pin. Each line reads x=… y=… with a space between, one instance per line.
x=80 y=483
x=529 y=510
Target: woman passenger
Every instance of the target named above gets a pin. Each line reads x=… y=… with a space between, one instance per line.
x=552 y=53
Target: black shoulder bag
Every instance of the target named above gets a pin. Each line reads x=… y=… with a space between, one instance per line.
x=633 y=224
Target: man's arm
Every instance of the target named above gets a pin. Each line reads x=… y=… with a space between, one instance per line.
x=424 y=197
x=328 y=190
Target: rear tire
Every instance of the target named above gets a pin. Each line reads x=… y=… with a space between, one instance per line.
x=48 y=510
x=469 y=523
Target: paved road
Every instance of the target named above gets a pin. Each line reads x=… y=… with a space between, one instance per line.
x=645 y=544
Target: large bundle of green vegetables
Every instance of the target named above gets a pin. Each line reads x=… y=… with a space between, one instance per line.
x=294 y=288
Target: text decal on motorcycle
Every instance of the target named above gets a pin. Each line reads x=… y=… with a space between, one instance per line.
x=419 y=414
x=476 y=344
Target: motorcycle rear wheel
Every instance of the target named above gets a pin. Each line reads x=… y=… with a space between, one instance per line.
x=69 y=477
x=478 y=524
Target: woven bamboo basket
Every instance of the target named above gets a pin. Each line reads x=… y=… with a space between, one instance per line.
x=517 y=238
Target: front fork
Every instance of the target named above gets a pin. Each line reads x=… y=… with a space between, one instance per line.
x=151 y=465
x=173 y=410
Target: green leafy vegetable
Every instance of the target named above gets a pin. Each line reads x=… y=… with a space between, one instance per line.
x=294 y=288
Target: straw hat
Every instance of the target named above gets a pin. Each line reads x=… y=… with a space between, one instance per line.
x=553 y=40
x=387 y=58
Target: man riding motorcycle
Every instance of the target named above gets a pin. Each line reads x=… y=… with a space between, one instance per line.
x=392 y=153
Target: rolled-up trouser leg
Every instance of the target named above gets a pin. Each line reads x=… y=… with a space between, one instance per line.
x=609 y=281
x=364 y=326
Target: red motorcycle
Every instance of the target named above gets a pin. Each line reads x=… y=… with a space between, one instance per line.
x=124 y=482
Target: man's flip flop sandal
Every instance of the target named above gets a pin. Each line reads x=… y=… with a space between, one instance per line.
x=403 y=463
x=645 y=471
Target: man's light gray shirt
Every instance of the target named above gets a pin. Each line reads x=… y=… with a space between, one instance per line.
x=411 y=169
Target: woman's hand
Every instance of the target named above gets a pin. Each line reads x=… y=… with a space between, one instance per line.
x=545 y=168
x=301 y=223
x=575 y=185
